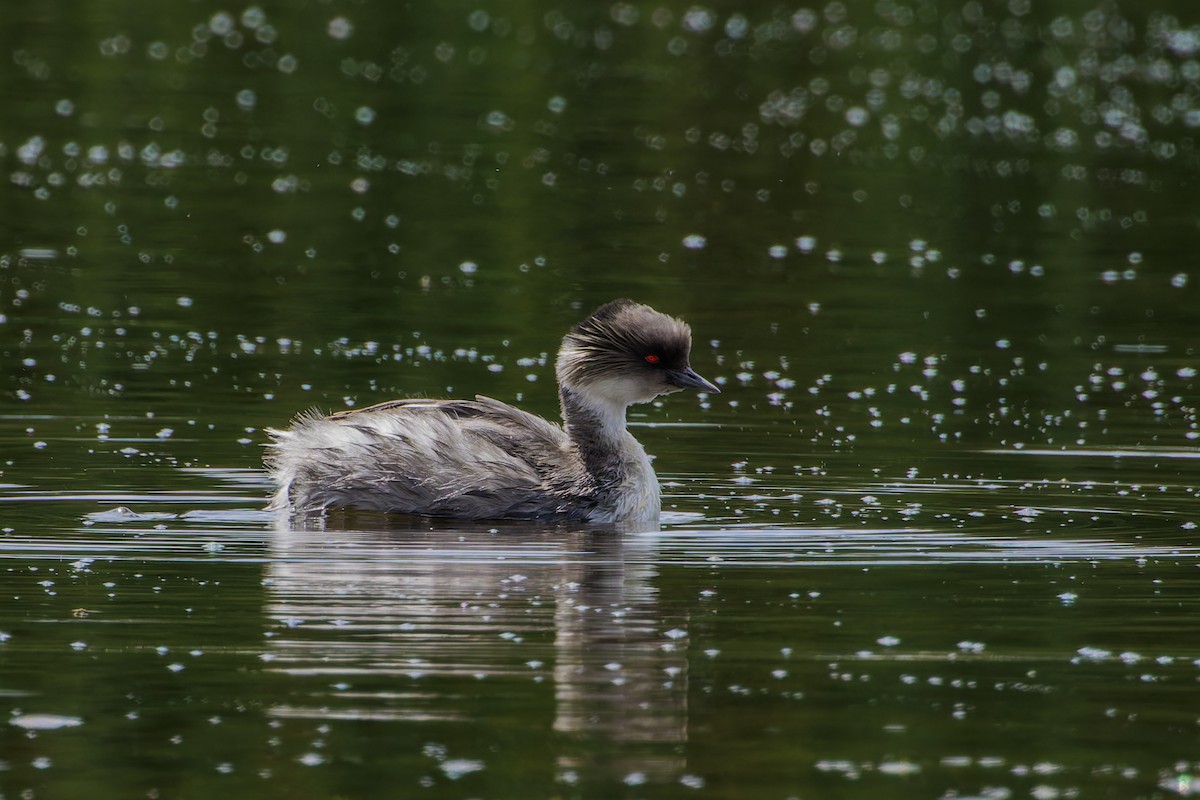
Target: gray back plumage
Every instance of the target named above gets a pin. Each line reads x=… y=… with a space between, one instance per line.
x=470 y=459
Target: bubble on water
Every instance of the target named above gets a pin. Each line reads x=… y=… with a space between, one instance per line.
x=624 y=14
x=221 y=23
x=1065 y=139
x=340 y=28
x=37 y=254
x=115 y=45
x=557 y=104
x=1064 y=77
x=246 y=99
x=737 y=26
x=468 y=267
x=887 y=641
x=311 y=759
x=184 y=302
x=456 y=768
x=44 y=722
x=277 y=236
x=479 y=20
x=694 y=241
x=805 y=20
x=1019 y=125
x=1183 y=784
x=699 y=19
x=364 y=115
x=898 y=768
x=253 y=17
x=857 y=116
x=498 y=121
x=31 y=150
x=287 y=64
x=806 y=244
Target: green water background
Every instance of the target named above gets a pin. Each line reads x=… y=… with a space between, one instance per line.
x=934 y=539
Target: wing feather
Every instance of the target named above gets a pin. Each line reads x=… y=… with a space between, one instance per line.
x=475 y=459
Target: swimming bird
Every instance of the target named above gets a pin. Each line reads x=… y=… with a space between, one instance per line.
x=484 y=459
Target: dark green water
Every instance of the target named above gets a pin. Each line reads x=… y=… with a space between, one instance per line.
x=935 y=539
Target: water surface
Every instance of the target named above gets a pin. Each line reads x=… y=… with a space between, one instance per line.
x=936 y=537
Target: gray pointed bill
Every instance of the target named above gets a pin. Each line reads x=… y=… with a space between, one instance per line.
x=688 y=378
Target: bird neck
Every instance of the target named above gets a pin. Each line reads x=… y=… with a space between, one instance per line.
x=595 y=425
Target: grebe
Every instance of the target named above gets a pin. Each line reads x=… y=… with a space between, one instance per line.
x=483 y=459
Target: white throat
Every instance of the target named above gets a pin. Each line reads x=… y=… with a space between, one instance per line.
x=596 y=424
x=596 y=412
x=609 y=416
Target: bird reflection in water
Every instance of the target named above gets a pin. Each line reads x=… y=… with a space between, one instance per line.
x=384 y=607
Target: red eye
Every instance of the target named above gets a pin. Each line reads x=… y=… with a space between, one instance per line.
x=651 y=359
